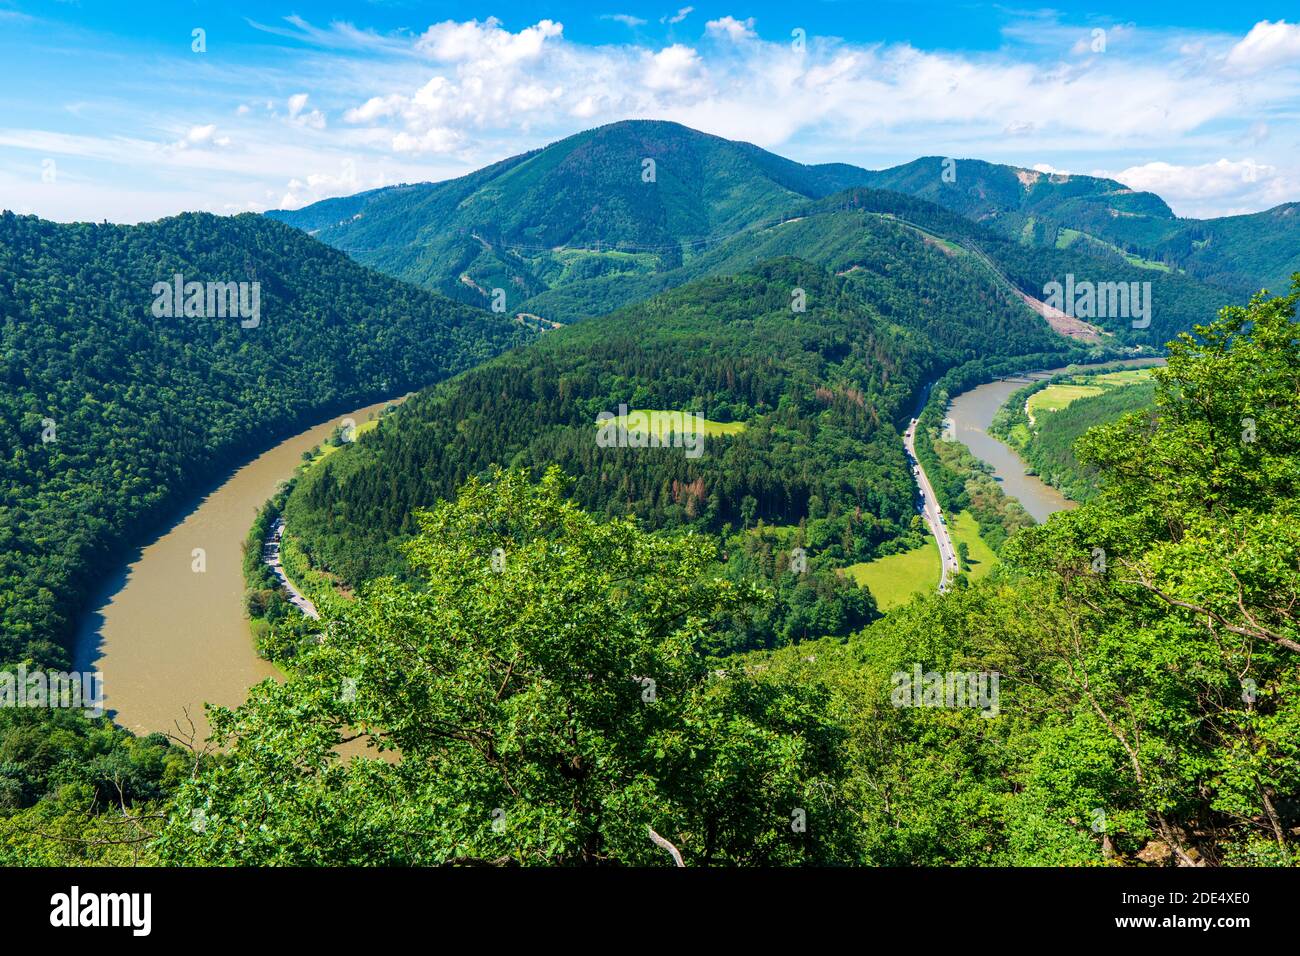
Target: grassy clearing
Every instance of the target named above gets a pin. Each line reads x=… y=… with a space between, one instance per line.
x=1056 y=397
x=666 y=417
x=894 y=579
x=327 y=450
x=1066 y=238
x=1128 y=376
x=965 y=529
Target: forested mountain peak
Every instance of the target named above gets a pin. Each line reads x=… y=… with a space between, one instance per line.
x=619 y=212
x=634 y=196
x=588 y=188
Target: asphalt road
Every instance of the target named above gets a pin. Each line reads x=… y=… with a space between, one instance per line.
x=931 y=512
x=271 y=555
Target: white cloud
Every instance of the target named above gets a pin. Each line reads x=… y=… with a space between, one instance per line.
x=674 y=67
x=438 y=139
x=1216 y=188
x=485 y=45
x=624 y=18
x=297 y=103
x=201 y=136
x=320 y=185
x=679 y=16
x=731 y=28
x=1267 y=45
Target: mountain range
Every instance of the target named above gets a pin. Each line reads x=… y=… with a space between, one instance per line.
x=605 y=216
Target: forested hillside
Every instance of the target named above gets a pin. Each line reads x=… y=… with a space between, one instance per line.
x=1236 y=254
x=575 y=230
x=1140 y=709
x=1022 y=203
x=820 y=393
x=111 y=412
x=628 y=199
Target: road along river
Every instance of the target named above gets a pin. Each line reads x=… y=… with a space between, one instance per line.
x=972 y=412
x=169 y=637
x=930 y=510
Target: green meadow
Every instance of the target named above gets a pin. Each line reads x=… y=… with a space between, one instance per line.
x=893 y=580
x=709 y=427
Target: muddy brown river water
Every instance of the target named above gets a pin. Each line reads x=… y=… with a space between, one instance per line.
x=168 y=638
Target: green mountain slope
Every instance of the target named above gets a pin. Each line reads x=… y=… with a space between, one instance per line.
x=111 y=413
x=573 y=230
x=1238 y=254
x=510 y=225
x=819 y=393
x=1022 y=202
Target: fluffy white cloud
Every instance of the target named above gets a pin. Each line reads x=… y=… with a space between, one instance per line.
x=676 y=67
x=486 y=45
x=1222 y=187
x=201 y=136
x=485 y=77
x=1267 y=45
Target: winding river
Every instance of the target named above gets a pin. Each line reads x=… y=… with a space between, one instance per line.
x=972 y=412
x=168 y=637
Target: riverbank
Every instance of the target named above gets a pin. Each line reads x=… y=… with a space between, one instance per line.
x=271 y=557
x=168 y=630
x=971 y=415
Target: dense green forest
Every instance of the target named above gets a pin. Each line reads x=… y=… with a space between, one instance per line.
x=821 y=394
x=818 y=392
x=112 y=413
x=556 y=707
x=561 y=705
x=1047 y=444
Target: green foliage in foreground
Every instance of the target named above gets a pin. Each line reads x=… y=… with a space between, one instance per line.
x=550 y=712
x=80 y=791
x=1147 y=646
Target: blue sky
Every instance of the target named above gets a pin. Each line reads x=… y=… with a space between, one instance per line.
x=107 y=110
